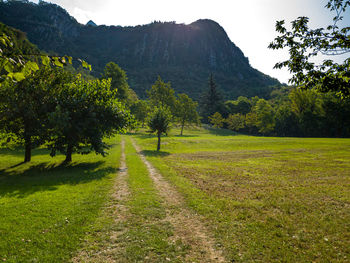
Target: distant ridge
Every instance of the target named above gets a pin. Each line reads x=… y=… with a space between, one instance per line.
x=182 y=54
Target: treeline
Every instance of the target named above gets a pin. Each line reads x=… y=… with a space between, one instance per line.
x=290 y=112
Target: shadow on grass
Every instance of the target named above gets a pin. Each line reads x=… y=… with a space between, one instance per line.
x=185 y=136
x=47 y=177
x=150 y=153
x=222 y=132
x=19 y=151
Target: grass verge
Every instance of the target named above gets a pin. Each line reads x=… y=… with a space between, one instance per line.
x=47 y=208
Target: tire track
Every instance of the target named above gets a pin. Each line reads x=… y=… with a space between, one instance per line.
x=116 y=208
x=187 y=225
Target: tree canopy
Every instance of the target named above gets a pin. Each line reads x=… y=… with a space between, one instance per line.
x=305 y=43
x=186 y=111
x=159 y=122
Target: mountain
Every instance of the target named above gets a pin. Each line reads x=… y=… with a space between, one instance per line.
x=182 y=54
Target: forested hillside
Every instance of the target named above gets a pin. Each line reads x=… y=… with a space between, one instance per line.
x=185 y=55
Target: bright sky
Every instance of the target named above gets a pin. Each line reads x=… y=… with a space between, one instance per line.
x=250 y=24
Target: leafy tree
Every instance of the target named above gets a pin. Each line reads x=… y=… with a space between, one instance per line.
x=24 y=108
x=119 y=82
x=265 y=121
x=186 y=111
x=159 y=122
x=235 y=122
x=162 y=95
x=306 y=105
x=140 y=109
x=86 y=112
x=212 y=101
x=251 y=120
x=242 y=105
x=217 y=120
x=286 y=121
x=305 y=43
x=336 y=121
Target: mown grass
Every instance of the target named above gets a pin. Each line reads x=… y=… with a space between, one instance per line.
x=46 y=208
x=147 y=233
x=266 y=199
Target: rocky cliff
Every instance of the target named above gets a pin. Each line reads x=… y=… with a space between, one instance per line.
x=182 y=54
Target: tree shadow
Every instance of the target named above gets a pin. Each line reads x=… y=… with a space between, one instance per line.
x=150 y=153
x=222 y=132
x=47 y=177
x=19 y=151
x=185 y=136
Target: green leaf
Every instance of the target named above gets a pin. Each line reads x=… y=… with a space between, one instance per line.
x=18 y=76
x=8 y=66
x=32 y=66
x=86 y=65
x=3 y=41
x=45 y=60
x=57 y=62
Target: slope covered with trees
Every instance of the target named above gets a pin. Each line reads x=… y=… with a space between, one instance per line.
x=183 y=54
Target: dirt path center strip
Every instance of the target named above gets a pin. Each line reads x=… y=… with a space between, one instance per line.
x=187 y=225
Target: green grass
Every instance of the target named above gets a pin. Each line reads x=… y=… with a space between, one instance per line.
x=47 y=208
x=266 y=199
x=147 y=234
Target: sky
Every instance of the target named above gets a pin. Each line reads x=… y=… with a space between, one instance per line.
x=250 y=24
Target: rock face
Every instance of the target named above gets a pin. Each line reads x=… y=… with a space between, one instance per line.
x=182 y=54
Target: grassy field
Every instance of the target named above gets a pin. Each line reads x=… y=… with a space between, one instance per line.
x=261 y=199
x=266 y=199
x=46 y=208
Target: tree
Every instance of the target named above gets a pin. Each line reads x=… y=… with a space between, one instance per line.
x=159 y=122
x=186 y=111
x=306 y=105
x=235 y=122
x=217 y=120
x=119 y=82
x=211 y=101
x=24 y=108
x=286 y=121
x=265 y=121
x=305 y=43
x=241 y=105
x=162 y=95
x=140 y=110
x=85 y=113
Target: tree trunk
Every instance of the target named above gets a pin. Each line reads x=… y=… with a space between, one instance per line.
x=28 y=149
x=69 y=153
x=182 y=127
x=158 y=145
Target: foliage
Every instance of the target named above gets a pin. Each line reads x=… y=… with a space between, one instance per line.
x=305 y=43
x=264 y=117
x=25 y=106
x=140 y=109
x=162 y=95
x=186 y=111
x=19 y=58
x=307 y=106
x=85 y=113
x=119 y=82
x=211 y=101
x=235 y=122
x=159 y=122
x=242 y=105
x=217 y=120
